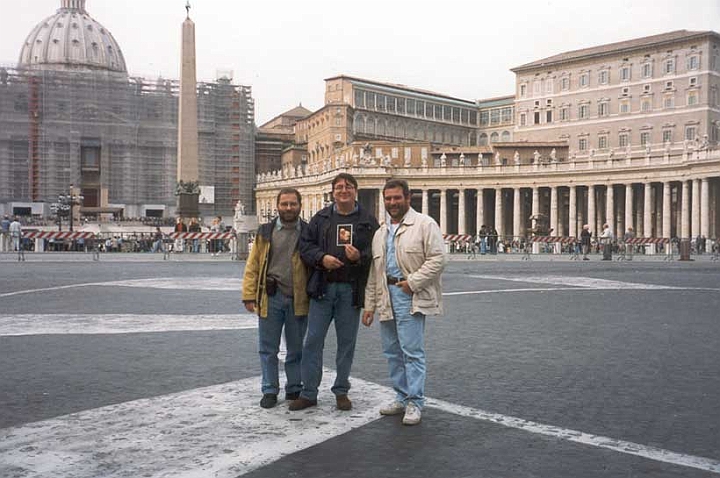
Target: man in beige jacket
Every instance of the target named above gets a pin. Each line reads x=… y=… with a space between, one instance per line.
x=404 y=287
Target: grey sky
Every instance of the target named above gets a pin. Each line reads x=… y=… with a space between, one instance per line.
x=285 y=48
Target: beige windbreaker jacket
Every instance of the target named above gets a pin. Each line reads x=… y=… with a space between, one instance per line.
x=420 y=251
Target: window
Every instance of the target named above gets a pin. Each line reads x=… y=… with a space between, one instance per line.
x=623 y=140
x=583 y=144
x=401 y=106
x=506 y=115
x=549 y=86
x=536 y=117
x=667 y=136
x=625 y=73
x=644 y=138
x=537 y=88
x=646 y=88
x=359 y=99
x=548 y=102
x=625 y=106
x=690 y=133
x=583 y=111
x=523 y=119
x=625 y=91
x=456 y=115
x=473 y=118
x=548 y=116
x=645 y=106
x=692 y=99
x=693 y=62
x=602 y=142
x=370 y=100
x=380 y=102
x=603 y=77
x=483 y=141
x=669 y=85
x=494 y=138
x=391 y=104
x=584 y=80
x=484 y=118
x=565 y=83
x=506 y=136
x=523 y=91
x=603 y=108
x=669 y=102
x=494 y=116
x=647 y=70
x=669 y=66
x=565 y=113
x=692 y=81
x=420 y=109
x=446 y=113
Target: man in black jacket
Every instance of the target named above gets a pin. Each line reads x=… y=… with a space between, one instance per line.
x=337 y=247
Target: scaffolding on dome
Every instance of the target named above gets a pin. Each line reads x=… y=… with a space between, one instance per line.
x=114 y=137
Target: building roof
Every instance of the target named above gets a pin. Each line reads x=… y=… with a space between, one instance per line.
x=71 y=39
x=614 y=48
x=296 y=113
x=396 y=86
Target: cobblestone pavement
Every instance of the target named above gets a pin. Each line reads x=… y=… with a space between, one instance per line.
x=545 y=368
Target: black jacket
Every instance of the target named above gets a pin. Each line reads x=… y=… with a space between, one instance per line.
x=317 y=239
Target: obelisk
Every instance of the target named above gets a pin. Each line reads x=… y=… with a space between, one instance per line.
x=188 y=152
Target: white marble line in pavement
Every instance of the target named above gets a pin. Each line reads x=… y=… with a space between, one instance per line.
x=217 y=431
x=649 y=452
x=55 y=324
x=586 y=282
x=220 y=431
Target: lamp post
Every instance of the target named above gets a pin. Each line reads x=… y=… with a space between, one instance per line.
x=65 y=205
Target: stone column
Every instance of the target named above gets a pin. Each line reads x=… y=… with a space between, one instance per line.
x=705 y=208
x=462 y=223
x=480 y=208
x=572 y=213
x=535 y=204
x=554 y=210
x=628 y=206
x=666 y=226
x=695 y=208
x=610 y=208
x=443 y=211
x=591 y=210
x=647 y=215
x=685 y=228
x=425 y=202
x=517 y=221
x=498 y=212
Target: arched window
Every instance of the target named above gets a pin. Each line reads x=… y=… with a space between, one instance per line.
x=494 y=138
x=506 y=136
x=483 y=141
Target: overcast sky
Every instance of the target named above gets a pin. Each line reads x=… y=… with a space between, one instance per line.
x=285 y=49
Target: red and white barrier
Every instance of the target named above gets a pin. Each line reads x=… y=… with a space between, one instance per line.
x=202 y=235
x=58 y=235
x=554 y=239
x=457 y=237
x=642 y=241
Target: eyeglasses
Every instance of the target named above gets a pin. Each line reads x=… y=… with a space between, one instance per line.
x=344 y=187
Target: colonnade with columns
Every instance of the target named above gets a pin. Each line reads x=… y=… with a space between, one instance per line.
x=684 y=208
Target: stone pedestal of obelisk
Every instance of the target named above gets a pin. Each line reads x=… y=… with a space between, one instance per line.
x=187 y=158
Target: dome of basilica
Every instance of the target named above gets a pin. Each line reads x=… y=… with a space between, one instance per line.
x=71 y=40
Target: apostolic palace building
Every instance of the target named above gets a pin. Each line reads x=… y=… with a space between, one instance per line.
x=625 y=133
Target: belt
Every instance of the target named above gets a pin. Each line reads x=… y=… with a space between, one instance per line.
x=394 y=280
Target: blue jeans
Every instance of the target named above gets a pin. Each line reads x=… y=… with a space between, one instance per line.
x=281 y=313
x=335 y=305
x=403 y=341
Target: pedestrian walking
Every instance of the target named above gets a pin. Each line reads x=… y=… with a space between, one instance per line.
x=180 y=227
x=274 y=287
x=5 y=234
x=585 y=239
x=15 y=229
x=336 y=287
x=607 y=238
x=403 y=288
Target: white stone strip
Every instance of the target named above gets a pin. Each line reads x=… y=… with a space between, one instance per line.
x=620 y=446
x=180 y=283
x=218 y=431
x=56 y=324
x=588 y=282
x=496 y=291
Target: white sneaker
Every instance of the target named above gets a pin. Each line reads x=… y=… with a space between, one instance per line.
x=392 y=408
x=412 y=415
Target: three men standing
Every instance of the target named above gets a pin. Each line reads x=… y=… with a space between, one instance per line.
x=403 y=288
x=274 y=287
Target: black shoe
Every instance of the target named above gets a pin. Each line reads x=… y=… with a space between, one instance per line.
x=292 y=396
x=269 y=400
x=343 y=402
